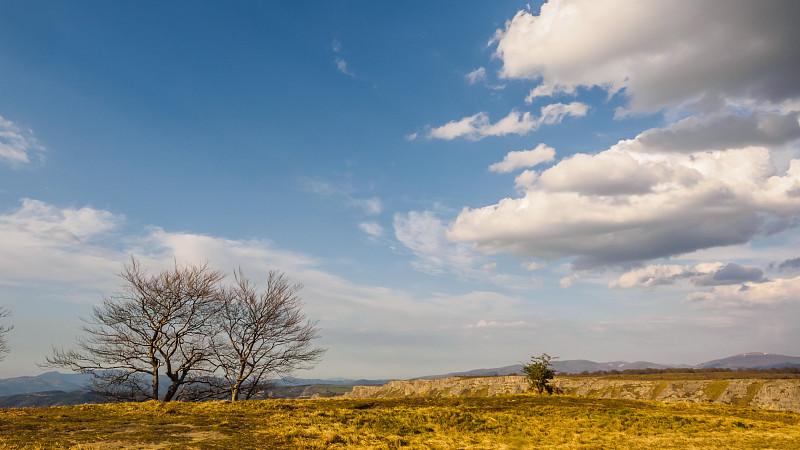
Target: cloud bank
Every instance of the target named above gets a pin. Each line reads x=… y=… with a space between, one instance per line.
x=660 y=53
x=726 y=174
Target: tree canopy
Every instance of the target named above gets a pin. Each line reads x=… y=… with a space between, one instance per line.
x=540 y=373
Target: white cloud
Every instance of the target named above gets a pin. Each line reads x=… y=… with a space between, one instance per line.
x=526 y=158
x=477 y=126
x=476 y=75
x=41 y=241
x=533 y=265
x=341 y=64
x=424 y=234
x=628 y=204
x=662 y=53
x=17 y=145
x=781 y=290
x=372 y=229
x=371 y=206
x=569 y=280
x=345 y=191
x=495 y=324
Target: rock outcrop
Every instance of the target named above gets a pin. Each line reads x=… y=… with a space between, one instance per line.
x=768 y=394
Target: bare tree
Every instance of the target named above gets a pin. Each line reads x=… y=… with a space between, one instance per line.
x=158 y=324
x=262 y=334
x=4 y=348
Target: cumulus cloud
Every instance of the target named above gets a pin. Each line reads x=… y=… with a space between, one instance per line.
x=526 y=158
x=723 y=176
x=661 y=53
x=706 y=274
x=476 y=75
x=626 y=204
x=17 y=145
x=478 y=126
x=773 y=292
x=722 y=131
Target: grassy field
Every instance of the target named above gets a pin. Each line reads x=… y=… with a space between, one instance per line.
x=513 y=422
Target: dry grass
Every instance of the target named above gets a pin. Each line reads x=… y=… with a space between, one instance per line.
x=512 y=422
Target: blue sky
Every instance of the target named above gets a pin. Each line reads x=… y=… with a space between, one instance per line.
x=457 y=185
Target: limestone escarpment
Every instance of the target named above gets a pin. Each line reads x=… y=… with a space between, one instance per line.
x=769 y=394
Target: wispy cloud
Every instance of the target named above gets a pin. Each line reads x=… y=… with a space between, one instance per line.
x=371 y=229
x=478 y=126
x=18 y=146
x=346 y=192
x=476 y=75
x=341 y=64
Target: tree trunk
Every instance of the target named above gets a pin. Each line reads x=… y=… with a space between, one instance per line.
x=235 y=391
x=155 y=383
x=171 y=391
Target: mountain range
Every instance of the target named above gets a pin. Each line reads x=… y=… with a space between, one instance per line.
x=53 y=388
x=753 y=360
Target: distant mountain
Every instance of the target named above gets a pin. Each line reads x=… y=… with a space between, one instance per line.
x=566 y=366
x=50 y=381
x=753 y=360
x=741 y=361
x=291 y=381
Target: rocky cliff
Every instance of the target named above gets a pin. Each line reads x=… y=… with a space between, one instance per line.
x=769 y=394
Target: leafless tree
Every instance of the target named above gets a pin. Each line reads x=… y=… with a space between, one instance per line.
x=4 y=349
x=157 y=325
x=262 y=334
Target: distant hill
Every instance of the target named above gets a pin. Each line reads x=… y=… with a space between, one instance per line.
x=54 y=388
x=566 y=366
x=741 y=361
x=50 y=381
x=752 y=360
x=291 y=381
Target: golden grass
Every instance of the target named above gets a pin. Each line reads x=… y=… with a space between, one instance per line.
x=511 y=422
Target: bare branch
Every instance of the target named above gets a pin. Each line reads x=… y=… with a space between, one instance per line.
x=157 y=324
x=4 y=348
x=262 y=333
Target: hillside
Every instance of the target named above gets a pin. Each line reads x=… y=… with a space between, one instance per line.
x=56 y=388
x=778 y=394
x=505 y=422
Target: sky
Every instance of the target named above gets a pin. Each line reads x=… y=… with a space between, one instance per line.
x=457 y=185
